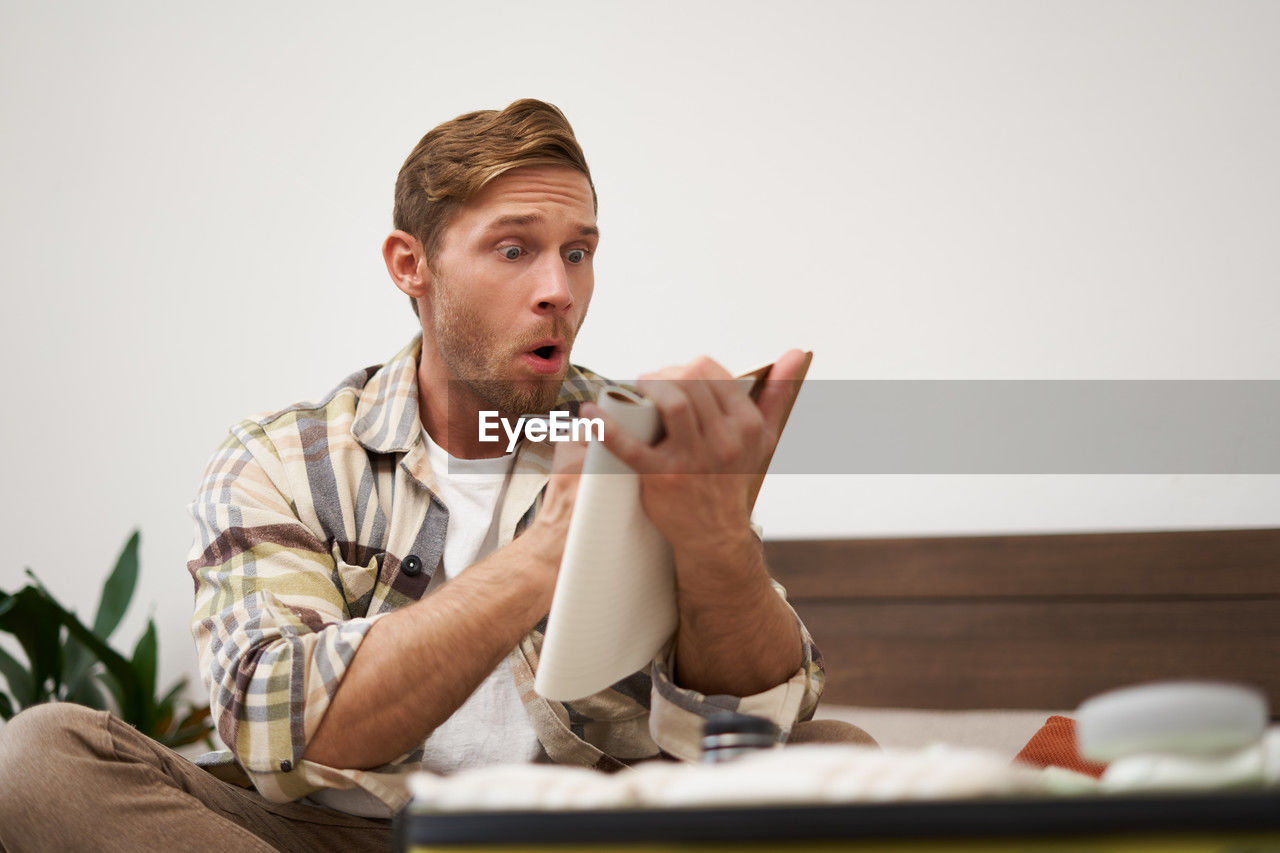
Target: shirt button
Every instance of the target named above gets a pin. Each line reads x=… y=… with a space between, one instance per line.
x=412 y=566
x=286 y=766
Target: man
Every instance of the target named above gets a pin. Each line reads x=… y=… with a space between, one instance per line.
x=372 y=578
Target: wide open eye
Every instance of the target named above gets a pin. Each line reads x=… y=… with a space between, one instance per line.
x=511 y=253
x=576 y=256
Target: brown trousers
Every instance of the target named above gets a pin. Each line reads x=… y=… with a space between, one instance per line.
x=76 y=779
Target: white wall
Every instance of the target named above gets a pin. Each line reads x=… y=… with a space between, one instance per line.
x=193 y=201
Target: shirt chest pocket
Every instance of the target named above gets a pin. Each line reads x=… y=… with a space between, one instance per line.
x=356 y=582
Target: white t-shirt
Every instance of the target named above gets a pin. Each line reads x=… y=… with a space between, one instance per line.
x=492 y=726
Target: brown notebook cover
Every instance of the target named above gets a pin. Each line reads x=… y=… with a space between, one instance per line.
x=762 y=374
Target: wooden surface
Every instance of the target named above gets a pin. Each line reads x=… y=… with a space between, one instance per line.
x=1040 y=621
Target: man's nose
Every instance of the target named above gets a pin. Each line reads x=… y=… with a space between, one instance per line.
x=553 y=293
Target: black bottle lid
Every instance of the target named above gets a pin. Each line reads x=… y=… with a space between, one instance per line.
x=729 y=722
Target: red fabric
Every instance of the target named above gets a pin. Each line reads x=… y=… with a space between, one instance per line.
x=1055 y=746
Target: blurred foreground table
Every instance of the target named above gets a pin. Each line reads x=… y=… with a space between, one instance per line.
x=1237 y=822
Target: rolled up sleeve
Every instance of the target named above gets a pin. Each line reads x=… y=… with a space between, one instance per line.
x=272 y=627
x=677 y=713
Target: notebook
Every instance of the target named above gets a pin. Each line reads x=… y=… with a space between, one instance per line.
x=614 y=606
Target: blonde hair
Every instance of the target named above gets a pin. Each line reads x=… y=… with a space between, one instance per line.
x=456 y=160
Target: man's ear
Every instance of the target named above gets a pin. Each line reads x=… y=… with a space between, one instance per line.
x=407 y=263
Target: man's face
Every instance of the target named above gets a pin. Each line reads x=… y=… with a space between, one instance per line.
x=511 y=285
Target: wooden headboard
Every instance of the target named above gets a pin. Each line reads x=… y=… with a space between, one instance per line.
x=1041 y=621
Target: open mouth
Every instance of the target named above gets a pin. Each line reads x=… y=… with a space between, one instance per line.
x=547 y=359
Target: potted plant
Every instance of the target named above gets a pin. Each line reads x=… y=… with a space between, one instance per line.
x=67 y=661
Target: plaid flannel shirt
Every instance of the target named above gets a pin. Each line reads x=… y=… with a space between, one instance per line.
x=305 y=522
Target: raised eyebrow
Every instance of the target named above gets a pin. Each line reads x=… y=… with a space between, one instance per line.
x=515 y=219
x=525 y=219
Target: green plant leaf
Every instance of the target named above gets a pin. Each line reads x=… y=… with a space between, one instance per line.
x=172 y=696
x=34 y=619
x=118 y=589
x=35 y=580
x=196 y=725
x=166 y=708
x=6 y=707
x=88 y=692
x=117 y=592
x=117 y=692
x=144 y=664
x=122 y=679
x=185 y=735
x=76 y=663
x=18 y=678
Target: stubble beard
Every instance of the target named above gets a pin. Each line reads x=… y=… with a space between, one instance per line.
x=478 y=357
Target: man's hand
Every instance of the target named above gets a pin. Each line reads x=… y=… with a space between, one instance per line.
x=696 y=480
x=736 y=635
